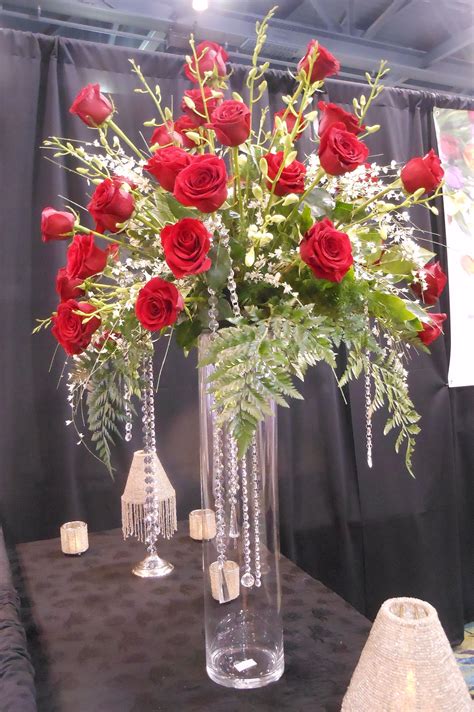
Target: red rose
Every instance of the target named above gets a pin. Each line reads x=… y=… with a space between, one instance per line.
x=210 y=57
x=84 y=258
x=56 y=225
x=340 y=151
x=92 y=107
x=432 y=329
x=111 y=204
x=325 y=64
x=186 y=244
x=203 y=184
x=331 y=114
x=198 y=113
x=422 y=172
x=435 y=280
x=72 y=330
x=291 y=179
x=166 y=163
x=450 y=147
x=166 y=135
x=326 y=251
x=181 y=125
x=231 y=122
x=158 y=304
x=68 y=287
x=290 y=121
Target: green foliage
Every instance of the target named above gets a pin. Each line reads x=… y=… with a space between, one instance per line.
x=256 y=363
x=107 y=378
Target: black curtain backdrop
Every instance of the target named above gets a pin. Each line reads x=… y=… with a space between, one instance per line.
x=367 y=533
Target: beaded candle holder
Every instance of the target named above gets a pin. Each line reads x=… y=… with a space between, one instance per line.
x=74 y=538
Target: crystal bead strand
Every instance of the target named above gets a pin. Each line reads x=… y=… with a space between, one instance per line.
x=256 y=512
x=231 y=285
x=128 y=415
x=368 y=415
x=247 y=579
x=233 y=486
x=149 y=446
x=368 y=400
x=217 y=452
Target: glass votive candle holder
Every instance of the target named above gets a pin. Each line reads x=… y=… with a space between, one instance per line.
x=74 y=538
x=225 y=580
x=202 y=524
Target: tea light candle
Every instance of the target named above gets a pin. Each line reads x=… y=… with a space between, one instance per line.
x=74 y=538
x=225 y=581
x=202 y=524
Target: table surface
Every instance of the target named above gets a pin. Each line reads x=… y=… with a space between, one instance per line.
x=104 y=640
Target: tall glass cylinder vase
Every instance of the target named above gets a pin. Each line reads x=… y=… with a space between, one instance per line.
x=242 y=591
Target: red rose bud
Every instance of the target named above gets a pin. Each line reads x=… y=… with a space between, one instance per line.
x=432 y=329
x=327 y=251
x=324 y=66
x=158 y=304
x=340 y=151
x=211 y=57
x=186 y=244
x=92 y=107
x=68 y=287
x=198 y=113
x=435 y=279
x=85 y=259
x=203 y=184
x=331 y=114
x=181 y=125
x=166 y=135
x=231 y=122
x=111 y=204
x=422 y=172
x=70 y=329
x=56 y=225
x=166 y=163
x=291 y=179
x=289 y=121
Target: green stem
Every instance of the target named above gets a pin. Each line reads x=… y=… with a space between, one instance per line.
x=238 y=186
x=141 y=77
x=125 y=138
x=308 y=190
x=109 y=238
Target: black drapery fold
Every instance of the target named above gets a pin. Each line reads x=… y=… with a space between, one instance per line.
x=367 y=533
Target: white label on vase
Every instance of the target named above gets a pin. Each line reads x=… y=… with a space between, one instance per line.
x=245 y=665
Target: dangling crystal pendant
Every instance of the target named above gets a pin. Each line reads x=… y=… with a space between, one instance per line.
x=233 y=526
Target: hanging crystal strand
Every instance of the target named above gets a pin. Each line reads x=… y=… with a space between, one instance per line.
x=231 y=285
x=128 y=415
x=233 y=486
x=149 y=446
x=368 y=413
x=218 y=469
x=247 y=579
x=256 y=512
x=368 y=399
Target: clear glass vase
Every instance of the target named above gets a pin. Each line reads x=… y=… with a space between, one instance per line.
x=242 y=591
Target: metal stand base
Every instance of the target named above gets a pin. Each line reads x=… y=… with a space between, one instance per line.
x=153 y=566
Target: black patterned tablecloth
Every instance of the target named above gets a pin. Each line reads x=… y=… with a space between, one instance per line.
x=103 y=640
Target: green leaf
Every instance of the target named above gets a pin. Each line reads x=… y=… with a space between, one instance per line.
x=186 y=334
x=216 y=276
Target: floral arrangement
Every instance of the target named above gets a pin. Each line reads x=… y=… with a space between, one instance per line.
x=222 y=225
